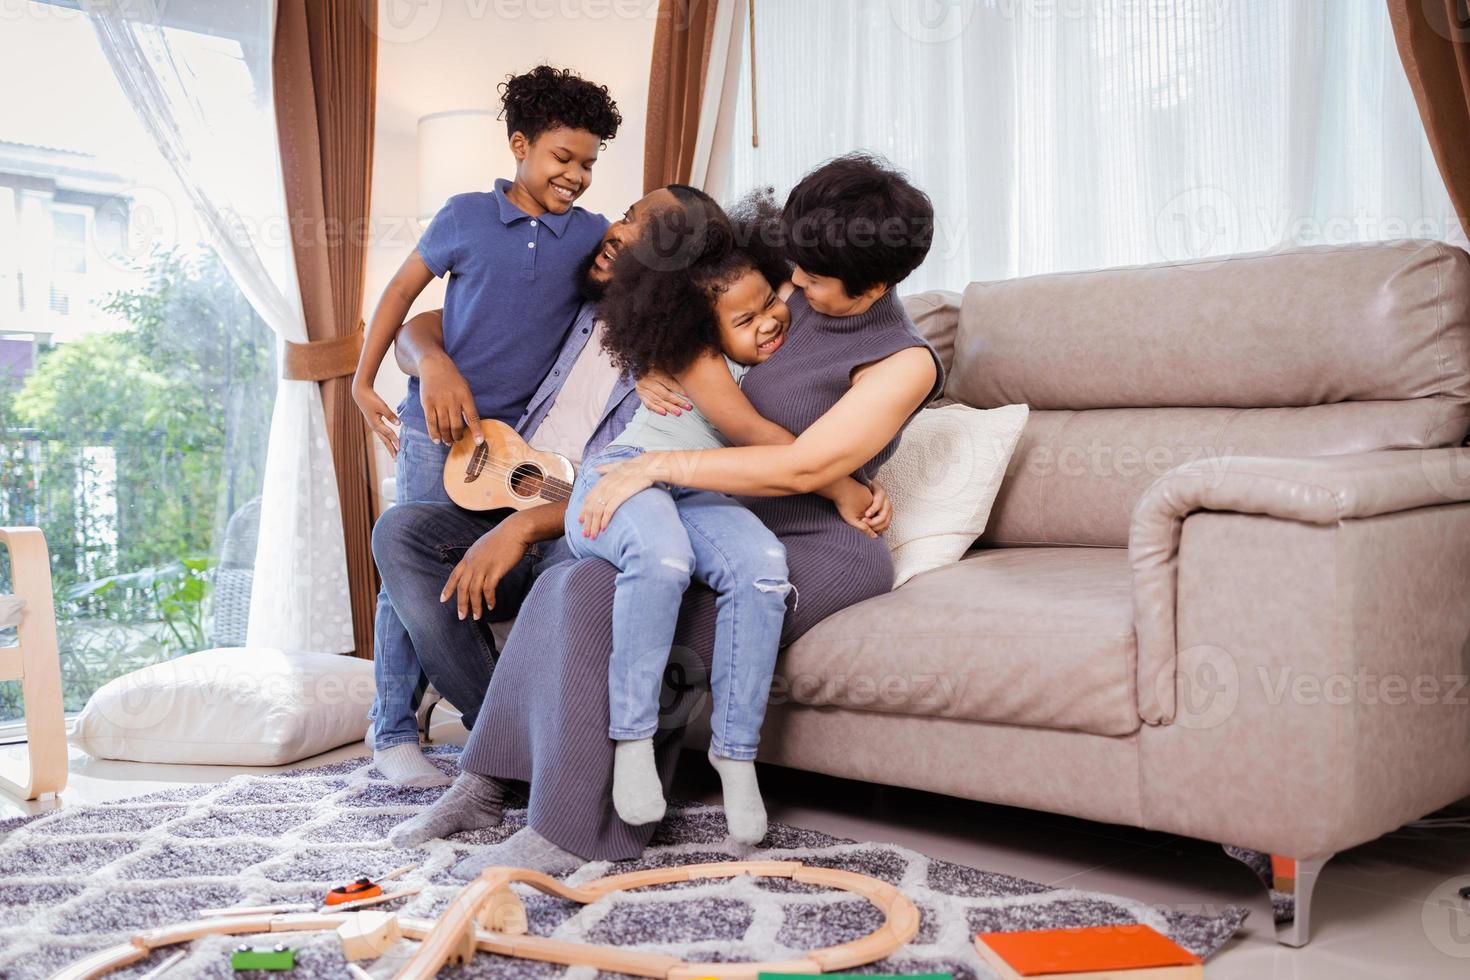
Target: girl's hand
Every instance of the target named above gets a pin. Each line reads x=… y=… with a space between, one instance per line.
x=880 y=514
x=660 y=393
x=619 y=482
x=853 y=502
x=380 y=418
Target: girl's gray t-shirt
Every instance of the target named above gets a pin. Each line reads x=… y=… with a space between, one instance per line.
x=688 y=430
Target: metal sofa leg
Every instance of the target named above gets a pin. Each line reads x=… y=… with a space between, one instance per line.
x=425 y=713
x=1290 y=882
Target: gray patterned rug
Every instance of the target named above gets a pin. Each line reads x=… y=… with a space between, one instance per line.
x=82 y=878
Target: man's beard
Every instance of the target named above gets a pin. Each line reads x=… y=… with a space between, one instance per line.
x=592 y=288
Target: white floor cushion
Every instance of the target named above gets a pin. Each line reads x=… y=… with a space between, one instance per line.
x=234 y=706
x=943 y=479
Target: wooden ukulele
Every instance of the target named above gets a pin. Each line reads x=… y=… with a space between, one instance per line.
x=504 y=472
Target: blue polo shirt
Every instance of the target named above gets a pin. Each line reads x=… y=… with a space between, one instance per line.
x=511 y=297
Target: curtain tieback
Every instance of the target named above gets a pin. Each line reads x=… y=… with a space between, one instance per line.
x=318 y=360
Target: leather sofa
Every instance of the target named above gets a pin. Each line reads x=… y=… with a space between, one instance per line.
x=1225 y=589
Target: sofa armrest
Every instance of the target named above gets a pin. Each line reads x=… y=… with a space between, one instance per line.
x=1313 y=490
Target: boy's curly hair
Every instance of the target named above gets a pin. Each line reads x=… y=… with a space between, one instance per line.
x=659 y=308
x=546 y=97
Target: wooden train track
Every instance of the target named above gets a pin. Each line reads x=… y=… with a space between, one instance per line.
x=487 y=916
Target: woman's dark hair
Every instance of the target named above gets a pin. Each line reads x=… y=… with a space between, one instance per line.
x=659 y=307
x=546 y=97
x=859 y=220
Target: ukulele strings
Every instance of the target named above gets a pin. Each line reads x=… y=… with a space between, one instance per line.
x=550 y=488
x=500 y=467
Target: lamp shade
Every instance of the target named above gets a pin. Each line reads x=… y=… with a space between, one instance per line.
x=460 y=150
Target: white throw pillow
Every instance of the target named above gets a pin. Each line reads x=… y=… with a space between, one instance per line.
x=943 y=479
x=234 y=706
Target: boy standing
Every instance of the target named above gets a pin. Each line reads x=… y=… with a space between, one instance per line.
x=512 y=255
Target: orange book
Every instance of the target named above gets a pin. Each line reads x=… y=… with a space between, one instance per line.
x=1132 y=952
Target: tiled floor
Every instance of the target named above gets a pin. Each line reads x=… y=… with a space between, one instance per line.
x=1373 y=915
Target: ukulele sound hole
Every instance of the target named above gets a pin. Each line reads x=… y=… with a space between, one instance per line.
x=527 y=480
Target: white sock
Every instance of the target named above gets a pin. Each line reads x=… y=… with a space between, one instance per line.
x=745 y=811
x=523 y=849
x=405 y=765
x=638 y=796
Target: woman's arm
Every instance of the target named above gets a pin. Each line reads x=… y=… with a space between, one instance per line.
x=882 y=398
x=410 y=279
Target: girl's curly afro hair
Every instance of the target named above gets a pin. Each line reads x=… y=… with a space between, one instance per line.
x=659 y=308
x=546 y=97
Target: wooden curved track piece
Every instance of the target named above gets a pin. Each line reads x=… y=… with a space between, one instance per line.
x=455 y=936
x=489 y=917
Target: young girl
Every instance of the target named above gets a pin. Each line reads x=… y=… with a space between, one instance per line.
x=703 y=311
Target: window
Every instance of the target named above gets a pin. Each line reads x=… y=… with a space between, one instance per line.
x=69 y=241
x=1060 y=136
x=136 y=381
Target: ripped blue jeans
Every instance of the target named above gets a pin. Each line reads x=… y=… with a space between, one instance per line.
x=660 y=540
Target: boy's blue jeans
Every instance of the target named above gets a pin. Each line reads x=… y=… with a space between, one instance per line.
x=397 y=675
x=660 y=540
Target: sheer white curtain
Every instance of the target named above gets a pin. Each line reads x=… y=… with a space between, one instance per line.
x=1075 y=134
x=214 y=124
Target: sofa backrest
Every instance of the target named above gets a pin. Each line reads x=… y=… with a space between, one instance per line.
x=1130 y=372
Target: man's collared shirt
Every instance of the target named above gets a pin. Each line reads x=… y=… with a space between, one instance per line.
x=617 y=409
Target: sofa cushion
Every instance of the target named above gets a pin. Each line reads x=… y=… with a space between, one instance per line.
x=1129 y=372
x=1041 y=637
x=1301 y=326
x=1076 y=476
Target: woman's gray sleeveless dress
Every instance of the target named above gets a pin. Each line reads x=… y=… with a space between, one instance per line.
x=545 y=716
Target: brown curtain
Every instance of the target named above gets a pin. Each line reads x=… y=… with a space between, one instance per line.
x=681 y=46
x=325 y=74
x=1434 y=44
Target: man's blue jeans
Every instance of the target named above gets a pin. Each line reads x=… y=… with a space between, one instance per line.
x=416 y=546
x=659 y=540
x=398 y=676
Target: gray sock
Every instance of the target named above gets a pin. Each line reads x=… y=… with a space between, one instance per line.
x=523 y=849
x=405 y=765
x=638 y=796
x=745 y=811
x=474 y=802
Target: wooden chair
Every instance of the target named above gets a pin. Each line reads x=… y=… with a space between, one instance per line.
x=35 y=662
